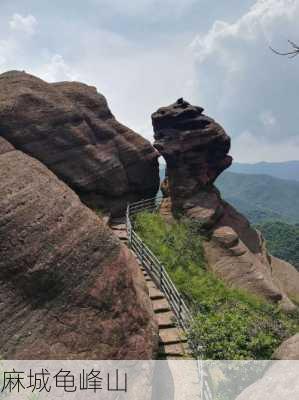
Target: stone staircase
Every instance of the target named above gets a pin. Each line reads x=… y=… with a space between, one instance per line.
x=173 y=343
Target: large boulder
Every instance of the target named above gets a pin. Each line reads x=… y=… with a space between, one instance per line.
x=194 y=147
x=286 y=277
x=69 y=127
x=288 y=350
x=68 y=288
x=196 y=151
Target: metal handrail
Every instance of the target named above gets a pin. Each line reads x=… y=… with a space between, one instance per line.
x=152 y=264
x=160 y=276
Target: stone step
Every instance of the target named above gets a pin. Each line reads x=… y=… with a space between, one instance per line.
x=171 y=336
x=119 y=227
x=120 y=234
x=161 y=305
x=174 y=350
x=165 y=319
x=173 y=344
x=155 y=294
x=166 y=357
x=150 y=285
x=117 y=221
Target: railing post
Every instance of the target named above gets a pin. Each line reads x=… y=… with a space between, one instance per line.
x=142 y=253
x=184 y=317
x=129 y=226
x=161 y=276
x=130 y=235
x=180 y=310
x=130 y=232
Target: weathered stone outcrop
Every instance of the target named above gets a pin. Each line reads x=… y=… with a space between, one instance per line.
x=286 y=277
x=196 y=151
x=288 y=350
x=195 y=148
x=69 y=128
x=5 y=147
x=68 y=288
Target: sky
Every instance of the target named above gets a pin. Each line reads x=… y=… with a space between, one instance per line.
x=144 y=54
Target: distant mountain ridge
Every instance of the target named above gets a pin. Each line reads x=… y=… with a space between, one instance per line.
x=258 y=196
x=261 y=197
x=282 y=170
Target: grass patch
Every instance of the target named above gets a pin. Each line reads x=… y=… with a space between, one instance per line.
x=231 y=324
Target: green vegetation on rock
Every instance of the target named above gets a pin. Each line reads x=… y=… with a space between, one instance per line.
x=282 y=240
x=229 y=323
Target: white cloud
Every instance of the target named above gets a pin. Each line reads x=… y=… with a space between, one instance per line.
x=56 y=70
x=152 y=9
x=267 y=118
x=243 y=84
x=258 y=22
x=27 y=52
x=229 y=69
x=252 y=148
x=9 y=49
x=136 y=80
x=26 y=24
x=5 y=49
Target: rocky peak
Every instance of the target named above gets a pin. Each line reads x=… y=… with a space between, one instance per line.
x=69 y=127
x=196 y=149
x=180 y=115
x=194 y=146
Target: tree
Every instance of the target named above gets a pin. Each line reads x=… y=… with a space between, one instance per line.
x=291 y=54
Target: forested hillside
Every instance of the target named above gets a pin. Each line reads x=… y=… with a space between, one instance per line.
x=282 y=170
x=261 y=197
x=282 y=240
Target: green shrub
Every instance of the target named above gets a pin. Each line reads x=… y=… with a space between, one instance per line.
x=282 y=240
x=229 y=323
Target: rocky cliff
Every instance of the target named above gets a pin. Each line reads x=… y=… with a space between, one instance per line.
x=196 y=151
x=70 y=129
x=68 y=288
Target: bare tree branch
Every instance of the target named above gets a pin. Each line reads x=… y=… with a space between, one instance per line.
x=291 y=54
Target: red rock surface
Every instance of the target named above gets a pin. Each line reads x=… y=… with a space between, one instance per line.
x=288 y=350
x=69 y=128
x=194 y=147
x=68 y=288
x=196 y=150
